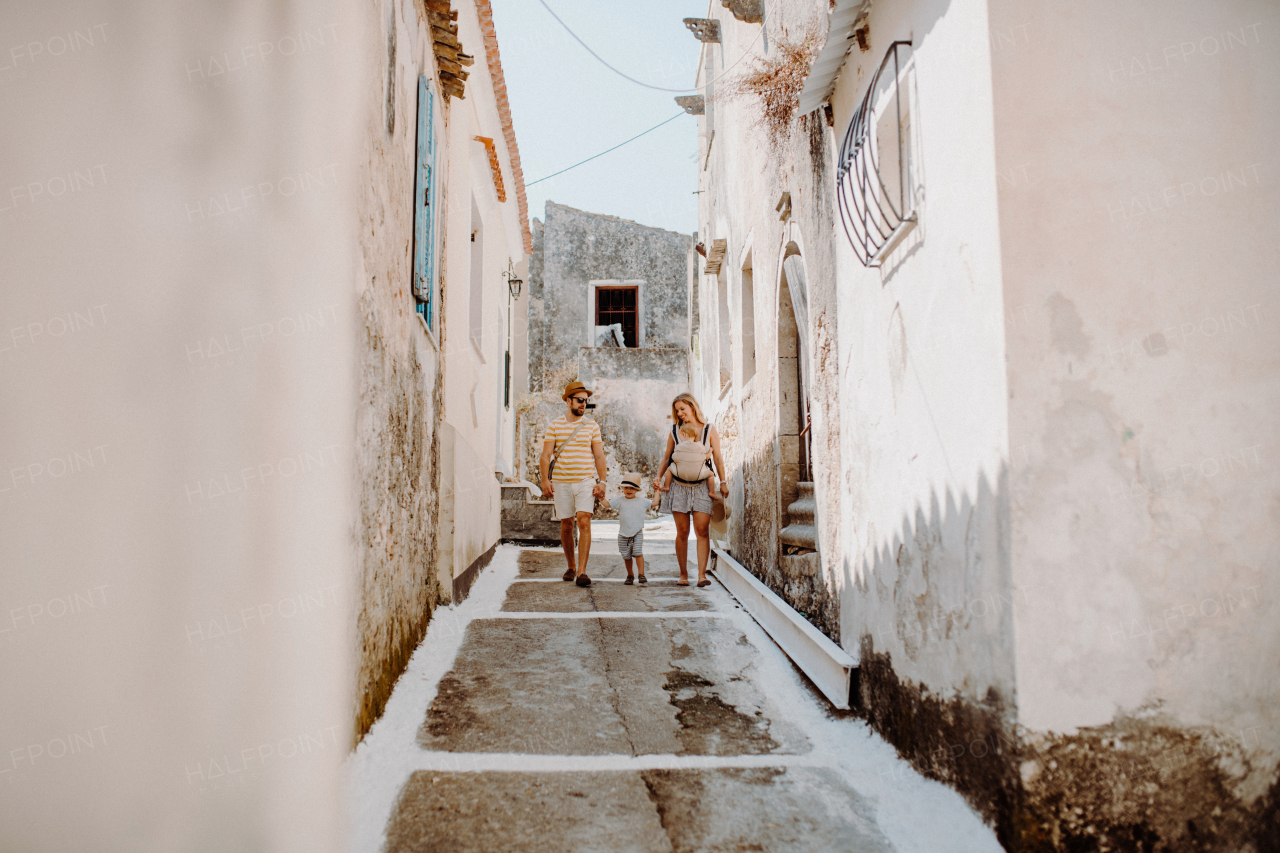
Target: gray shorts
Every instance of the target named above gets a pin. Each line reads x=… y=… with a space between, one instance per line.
x=631 y=546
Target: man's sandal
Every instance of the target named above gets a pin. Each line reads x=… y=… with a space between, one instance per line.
x=583 y=580
x=644 y=579
x=629 y=581
x=569 y=575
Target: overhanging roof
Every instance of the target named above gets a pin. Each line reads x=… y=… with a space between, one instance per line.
x=830 y=59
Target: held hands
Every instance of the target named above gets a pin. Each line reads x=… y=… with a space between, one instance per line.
x=598 y=491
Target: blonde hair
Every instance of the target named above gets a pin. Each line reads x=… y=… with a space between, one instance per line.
x=692 y=403
x=689 y=430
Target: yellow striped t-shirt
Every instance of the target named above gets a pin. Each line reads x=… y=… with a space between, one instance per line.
x=576 y=461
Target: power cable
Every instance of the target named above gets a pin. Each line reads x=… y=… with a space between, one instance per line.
x=600 y=59
x=602 y=153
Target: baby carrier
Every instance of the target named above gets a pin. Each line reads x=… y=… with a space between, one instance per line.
x=691 y=460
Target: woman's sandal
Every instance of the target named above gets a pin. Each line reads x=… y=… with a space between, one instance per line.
x=682 y=582
x=704 y=582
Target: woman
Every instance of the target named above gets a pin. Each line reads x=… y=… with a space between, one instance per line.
x=684 y=500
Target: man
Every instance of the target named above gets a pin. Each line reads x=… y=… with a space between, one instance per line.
x=576 y=446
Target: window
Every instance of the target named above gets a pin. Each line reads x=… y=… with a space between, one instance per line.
x=423 y=233
x=619 y=305
x=748 y=306
x=877 y=180
x=477 y=277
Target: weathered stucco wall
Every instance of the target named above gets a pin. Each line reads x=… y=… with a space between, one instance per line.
x=432 y=427
x=1053 y=499
x=758 y=414
x=478 y=318
x=927 y=597
x=1139 y=253
x=397 y=422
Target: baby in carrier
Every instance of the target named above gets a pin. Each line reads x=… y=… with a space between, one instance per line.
x=691 y=461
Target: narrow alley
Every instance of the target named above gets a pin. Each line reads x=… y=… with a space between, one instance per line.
x=940 y=335
x=538 y=716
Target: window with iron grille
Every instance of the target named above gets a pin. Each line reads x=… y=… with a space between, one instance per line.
x=877 y=181
x=618 y=305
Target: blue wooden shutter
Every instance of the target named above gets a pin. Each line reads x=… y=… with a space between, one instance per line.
x=423 y=253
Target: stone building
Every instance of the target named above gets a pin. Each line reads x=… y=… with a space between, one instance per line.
x=589 y=272
x=989 y=355
x=443 y=323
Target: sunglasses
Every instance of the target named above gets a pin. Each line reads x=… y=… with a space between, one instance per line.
x=578 y=399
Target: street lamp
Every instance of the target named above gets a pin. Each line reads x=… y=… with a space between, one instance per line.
x=513 y=283
x=513 y=289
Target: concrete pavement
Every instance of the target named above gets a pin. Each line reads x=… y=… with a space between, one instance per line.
x=543 y=716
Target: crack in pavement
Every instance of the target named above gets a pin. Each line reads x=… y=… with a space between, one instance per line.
x=616 y=698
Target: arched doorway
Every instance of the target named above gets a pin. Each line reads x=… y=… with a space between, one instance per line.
x=798 y=534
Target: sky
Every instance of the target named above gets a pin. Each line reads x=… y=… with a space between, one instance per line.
x=566 y=106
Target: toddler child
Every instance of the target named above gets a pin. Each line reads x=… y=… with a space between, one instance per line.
x=631 y=509
x=690 y=461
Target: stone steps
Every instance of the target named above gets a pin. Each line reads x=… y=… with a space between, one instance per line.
x=801 y=532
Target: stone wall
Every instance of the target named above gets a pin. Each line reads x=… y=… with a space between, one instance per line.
x=634 y=386
x=398 y=420
x=573 y=248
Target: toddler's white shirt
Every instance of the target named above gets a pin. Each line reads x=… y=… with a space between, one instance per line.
x=631 y=513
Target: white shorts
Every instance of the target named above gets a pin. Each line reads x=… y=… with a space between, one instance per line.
x=573 y=498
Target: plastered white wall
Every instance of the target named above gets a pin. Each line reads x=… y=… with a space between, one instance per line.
x=1137 y=189
x=923 y=387
x=202 y=700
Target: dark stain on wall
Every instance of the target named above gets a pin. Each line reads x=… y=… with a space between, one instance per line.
x=1136 y=784
x=1141 y=784
x=971 y=747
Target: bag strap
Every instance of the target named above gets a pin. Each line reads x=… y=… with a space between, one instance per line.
x=556 y=455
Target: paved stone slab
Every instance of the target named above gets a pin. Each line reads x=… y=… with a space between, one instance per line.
x=604 y=562
x=629 y=686
x=777 y=809
x=568 y=598
x=526 y=812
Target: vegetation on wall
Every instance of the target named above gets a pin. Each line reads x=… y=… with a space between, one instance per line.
x=775 y=82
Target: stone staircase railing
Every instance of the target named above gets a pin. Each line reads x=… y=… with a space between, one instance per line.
x=526 y=517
